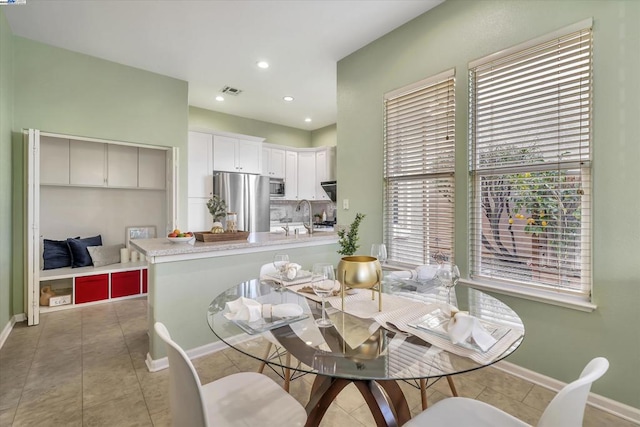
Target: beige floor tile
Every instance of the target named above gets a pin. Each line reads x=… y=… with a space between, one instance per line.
x=512 y=406
x=363 y=415
x=539 y=397
x=52 y=389
x=155 y=389
x=515 y=388
x=465 y=386
x=6 y=416
x=161 y=419
x=124 y=411
x=596 y=418
x=338 y=417
x=49 y=413
x=101 y=385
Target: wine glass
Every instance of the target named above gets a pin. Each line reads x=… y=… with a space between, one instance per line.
x=323 y=282
x=379 y=250
x=448 y=277
x=280 y=262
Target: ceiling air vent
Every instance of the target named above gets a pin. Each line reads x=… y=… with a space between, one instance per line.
x=231 y=90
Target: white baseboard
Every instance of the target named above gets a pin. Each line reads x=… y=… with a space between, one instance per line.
x=618 y=409
x=155 y=365
x=9 y=326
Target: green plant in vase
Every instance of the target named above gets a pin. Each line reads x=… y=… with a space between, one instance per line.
x=218 y=210
x=349 y=238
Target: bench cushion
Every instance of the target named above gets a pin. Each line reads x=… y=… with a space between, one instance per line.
x=78 y=247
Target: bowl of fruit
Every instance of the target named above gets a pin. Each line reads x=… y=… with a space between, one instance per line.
x=177 y=236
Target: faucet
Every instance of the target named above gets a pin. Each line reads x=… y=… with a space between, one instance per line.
x=310 y=226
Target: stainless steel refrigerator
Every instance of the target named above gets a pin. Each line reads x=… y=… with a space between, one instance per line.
x=247 y=195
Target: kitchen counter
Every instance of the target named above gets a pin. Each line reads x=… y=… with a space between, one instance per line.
x=162 y=250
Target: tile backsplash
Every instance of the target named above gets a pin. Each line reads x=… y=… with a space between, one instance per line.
x=282 y=210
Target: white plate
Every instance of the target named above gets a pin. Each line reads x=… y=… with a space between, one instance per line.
x=179 y=239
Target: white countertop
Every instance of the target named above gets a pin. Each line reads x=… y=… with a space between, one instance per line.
x=162 y=250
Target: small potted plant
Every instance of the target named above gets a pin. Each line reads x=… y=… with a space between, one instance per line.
x=218 y=210
x=349 y=238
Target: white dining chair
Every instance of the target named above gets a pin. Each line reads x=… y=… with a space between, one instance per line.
x=269 y=270
x=566 y=409
x=242 y=399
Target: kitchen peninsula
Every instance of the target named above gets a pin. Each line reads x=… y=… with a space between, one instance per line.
x=184 y=278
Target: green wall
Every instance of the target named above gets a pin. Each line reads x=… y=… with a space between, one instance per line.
x=201 y=119
x=6 y=98
x=326 y=136
x=558 y=340
x=56 y=90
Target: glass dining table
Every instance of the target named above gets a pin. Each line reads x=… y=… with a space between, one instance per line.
x=372 y=349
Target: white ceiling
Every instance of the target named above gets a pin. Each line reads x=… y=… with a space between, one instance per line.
x=211 y=44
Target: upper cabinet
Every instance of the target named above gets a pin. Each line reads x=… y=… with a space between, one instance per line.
x=54 y=166
x=152 y=168
x=274 y=162
x=200 y=165
x=325 y=170
x=98 y=164
x=122 y=166
x=236 y=155
x=87 y=162
x=307 y=175
x=291 y=175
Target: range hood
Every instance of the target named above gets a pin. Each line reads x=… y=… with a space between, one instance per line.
x=331 y=189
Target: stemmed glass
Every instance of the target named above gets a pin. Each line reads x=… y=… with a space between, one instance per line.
x=280 y=261
x=323 y=281
x=448 y=277
x=379 y=250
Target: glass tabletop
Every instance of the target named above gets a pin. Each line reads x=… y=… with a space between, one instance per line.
x=407 y=340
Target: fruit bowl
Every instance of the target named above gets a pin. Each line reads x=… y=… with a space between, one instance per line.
x=180 y=239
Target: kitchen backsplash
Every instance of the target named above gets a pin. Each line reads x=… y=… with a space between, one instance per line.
x=285 y=211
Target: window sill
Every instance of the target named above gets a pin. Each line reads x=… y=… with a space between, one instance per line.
x=560 y=300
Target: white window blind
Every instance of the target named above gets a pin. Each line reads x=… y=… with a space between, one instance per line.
x=530 y=117
x=419 y=162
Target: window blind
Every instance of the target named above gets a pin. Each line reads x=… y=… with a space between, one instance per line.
x=530 y=117
x=419 y=162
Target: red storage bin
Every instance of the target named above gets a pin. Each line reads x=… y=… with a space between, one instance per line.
x=92 y=288
x=125 y=283
x=144 y=280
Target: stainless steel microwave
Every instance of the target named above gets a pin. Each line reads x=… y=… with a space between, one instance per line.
x=276 y=188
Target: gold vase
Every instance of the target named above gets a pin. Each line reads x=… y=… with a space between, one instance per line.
x=360 y=272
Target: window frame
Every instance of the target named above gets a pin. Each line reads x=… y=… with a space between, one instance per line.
x=559 y=296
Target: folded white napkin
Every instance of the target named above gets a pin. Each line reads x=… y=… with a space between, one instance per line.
x=250 y=310
x=462 y=326
x=291 y=270
x=423 y=272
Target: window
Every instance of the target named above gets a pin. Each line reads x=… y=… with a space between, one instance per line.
x=530 y=163
x=419 y=161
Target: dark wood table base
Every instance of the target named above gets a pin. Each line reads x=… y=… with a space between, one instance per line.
x=384 y=397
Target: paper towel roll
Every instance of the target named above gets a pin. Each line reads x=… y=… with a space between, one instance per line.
x=124 y=255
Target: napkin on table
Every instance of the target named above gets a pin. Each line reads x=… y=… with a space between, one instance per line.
x=423 y=272
x=462 y=326
x=250 y=310
x=291 y=270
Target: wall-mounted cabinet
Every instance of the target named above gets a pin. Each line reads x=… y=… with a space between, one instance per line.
x=274 y=162
x=307 y=175
x=97 y=164
x=200 y=160
x=306 y=168
x=291 y=176
x=236 y=155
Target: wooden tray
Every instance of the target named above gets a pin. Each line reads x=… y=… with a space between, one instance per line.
x=207 y=236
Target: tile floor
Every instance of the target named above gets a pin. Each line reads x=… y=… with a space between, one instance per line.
x=85 y=367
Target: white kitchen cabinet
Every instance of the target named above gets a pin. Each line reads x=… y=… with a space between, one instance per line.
x=236 y=155
x=200 y=161
x=325 y=170
x=199 y=218
x=54 y=166
x=307 y=175
x=87 y=162
x=152 y=168
x=274 y=162
x=291 y=176
x=122 y=166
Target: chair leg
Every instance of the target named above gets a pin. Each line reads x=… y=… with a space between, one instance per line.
x=423 y=393
x=266 y=356
x=452 y=386
x=287 y=373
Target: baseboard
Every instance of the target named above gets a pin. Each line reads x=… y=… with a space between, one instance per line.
x=154 y=365
x=618 y=409
x=9 y=326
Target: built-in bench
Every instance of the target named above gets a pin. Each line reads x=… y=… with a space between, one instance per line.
x=85 y=285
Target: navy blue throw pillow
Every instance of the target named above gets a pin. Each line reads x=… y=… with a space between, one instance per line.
x=79 y=254
x=55 y=254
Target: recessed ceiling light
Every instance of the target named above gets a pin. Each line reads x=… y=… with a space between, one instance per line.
x=219 y=98
x=308 y=120
x=263 y=64
x=288 y=98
